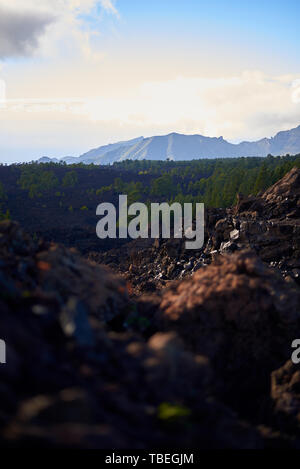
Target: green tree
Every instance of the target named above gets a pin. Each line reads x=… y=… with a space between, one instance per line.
x=263 y=179
x=70 y=179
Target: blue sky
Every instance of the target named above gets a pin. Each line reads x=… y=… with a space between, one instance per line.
x=257 y=31
x=82 y=73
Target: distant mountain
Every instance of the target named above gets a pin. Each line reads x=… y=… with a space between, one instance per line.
x=96 y=155
x=45 y=159
x=179 y=147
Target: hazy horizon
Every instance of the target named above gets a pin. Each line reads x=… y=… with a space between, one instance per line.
x=59 y=156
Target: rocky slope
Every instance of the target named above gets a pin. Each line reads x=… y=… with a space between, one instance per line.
x=204 y=362
x=269 y=225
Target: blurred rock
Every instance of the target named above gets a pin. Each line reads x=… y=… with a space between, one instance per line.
x=241 y=315
x=71 y=381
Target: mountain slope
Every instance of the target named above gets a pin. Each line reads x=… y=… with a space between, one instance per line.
x=94 y=155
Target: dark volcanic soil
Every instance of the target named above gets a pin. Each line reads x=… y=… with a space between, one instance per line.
x=184 y=349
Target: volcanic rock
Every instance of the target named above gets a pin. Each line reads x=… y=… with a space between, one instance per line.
x=242 y=316
x=70 y=381
x=285 y=392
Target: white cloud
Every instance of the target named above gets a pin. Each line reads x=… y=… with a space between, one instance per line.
x=296 y=91
x=23 y=26
x=251 y=105
x=247 y=106
x=108 y=5
x=59 y=6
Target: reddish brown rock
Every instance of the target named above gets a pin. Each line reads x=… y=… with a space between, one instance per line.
x=286 y=190
x=241 y=315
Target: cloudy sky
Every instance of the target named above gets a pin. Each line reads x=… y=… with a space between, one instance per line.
x=76 y=74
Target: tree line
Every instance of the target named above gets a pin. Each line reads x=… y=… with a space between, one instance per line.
x=215 y=182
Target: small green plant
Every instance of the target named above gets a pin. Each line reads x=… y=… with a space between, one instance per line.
x=169 y=412
x=136 y=320
x=104 y=189
x=5 y=216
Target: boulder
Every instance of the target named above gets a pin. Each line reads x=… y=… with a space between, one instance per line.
x=241 y=315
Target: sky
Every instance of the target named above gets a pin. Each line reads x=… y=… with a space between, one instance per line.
x=77 y=74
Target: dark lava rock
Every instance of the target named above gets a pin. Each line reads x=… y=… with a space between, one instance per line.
x=240 y=314
x=269 y=224
x=70 y=381
x=285 y=393
x=283 y=197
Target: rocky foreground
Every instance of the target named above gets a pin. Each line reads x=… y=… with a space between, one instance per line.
x=99 y=360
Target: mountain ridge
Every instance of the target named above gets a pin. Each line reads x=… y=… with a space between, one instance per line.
x=181 y=147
